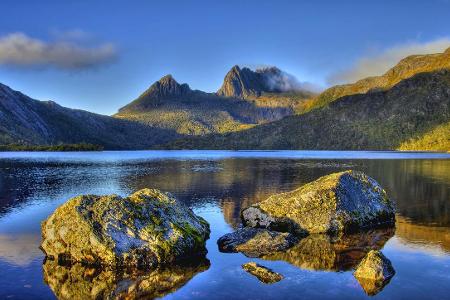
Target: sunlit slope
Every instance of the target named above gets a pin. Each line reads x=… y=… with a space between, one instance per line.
x=406 y=68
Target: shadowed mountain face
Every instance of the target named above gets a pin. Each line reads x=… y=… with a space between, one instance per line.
x=29 y=121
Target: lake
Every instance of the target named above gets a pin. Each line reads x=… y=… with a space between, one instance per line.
x=217 y=185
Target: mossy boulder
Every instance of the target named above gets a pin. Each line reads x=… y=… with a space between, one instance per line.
x=340 y=202
x=374 y=272
x=263 y=274
x=145 y=229
x=255 y=242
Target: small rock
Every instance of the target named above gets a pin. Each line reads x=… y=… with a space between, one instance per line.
x=374 y=272
x=255 y=242
x=340 y=202
x=143 y=230
x=264 y=274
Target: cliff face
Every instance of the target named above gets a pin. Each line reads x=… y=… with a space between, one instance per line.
x=247 y=84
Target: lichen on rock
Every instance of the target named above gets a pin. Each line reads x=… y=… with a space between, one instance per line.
x=145 y=229
x=263 y=274
x=255 y=242
x=340 y=202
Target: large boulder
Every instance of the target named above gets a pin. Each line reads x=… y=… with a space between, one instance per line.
x=255 y=242
x=144 y=229
x=374 y=272
x=339 y=202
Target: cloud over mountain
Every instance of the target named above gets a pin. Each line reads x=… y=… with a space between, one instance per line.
x=21 y=50
x=378 y=63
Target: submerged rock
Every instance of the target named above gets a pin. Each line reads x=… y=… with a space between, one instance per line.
x=145 y=229
x=255 y=242
x=374 y=272
x=322 y=252
x=79 y=281
x=264 y=274
x=339 y=202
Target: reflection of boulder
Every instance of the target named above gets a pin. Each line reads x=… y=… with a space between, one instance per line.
x=263 y=274
x=255 y=242
x=145 y=229
x=322 y=252
x=339 y=202
x=374 y=272
x=83 y=282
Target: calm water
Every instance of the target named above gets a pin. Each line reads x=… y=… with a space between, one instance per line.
x=217 y=184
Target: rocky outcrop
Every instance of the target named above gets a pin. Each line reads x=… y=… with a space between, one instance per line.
x=263 y=274
x=340 y=202
x=255 y=242
x=374 y=272
x=247 y=84
x=78 y=281
x=242 y=83
x=145 y=229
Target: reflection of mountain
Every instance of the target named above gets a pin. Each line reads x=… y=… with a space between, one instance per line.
x=421 y=188
x=322 y=252
x=428 y=236
x=19 y=249
x=81 y=282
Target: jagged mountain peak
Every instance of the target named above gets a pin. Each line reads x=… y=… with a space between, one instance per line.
x=165 y=89
x=245 y=83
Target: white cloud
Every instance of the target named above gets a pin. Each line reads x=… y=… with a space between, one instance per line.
x=379 y=63
x=20 y=50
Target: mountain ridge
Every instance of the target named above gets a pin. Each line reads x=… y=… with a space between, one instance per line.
x=379 y=120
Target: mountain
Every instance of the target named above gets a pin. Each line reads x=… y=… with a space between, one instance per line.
x=411 y=113
x=24 y=120
x=244 y=83
x=170 y=105
x=406 y=68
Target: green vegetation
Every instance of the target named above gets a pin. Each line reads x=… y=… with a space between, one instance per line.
x=59 y=147
x=437 y=139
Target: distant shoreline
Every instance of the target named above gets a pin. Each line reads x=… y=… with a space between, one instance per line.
x=59 y=148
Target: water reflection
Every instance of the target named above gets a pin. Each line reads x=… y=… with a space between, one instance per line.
x=321 y=252
x=19 y=249
x=31 y=190
x=83 y=282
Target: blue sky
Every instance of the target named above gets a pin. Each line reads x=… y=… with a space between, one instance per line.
x=100 y=55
